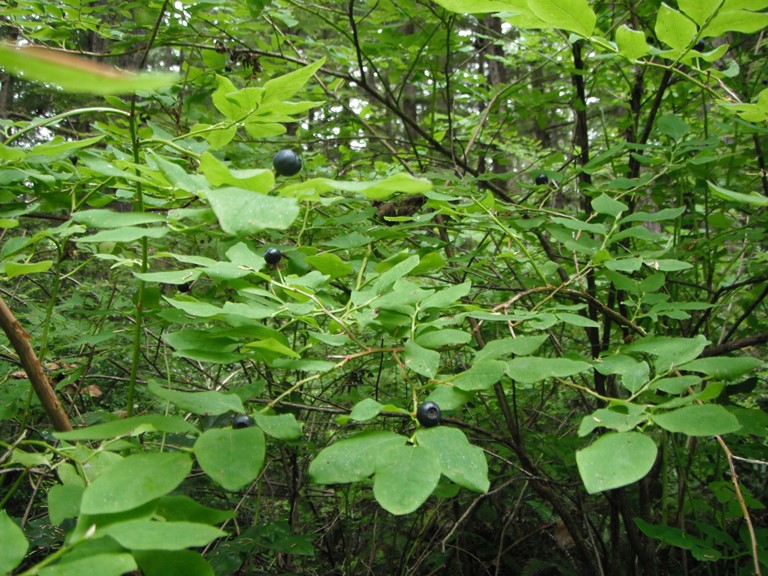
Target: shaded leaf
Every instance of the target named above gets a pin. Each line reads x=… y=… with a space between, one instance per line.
x=280 y=426
x=698 y=420
x=146 y=534
x=460 y=461
x=533 y=369
x=405 y=477
x=615 y=460
x=352 y=459
x=14 y=544
x=205 y=402
x=172 y=563
x=232 y=458
x=134 y=481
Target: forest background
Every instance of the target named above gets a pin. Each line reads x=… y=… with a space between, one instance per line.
x=547 y=218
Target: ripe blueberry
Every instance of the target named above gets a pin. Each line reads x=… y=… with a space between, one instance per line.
x=428 y=414
x=286 y=163
x=541 y=179
x=241 y=421
x=273 y=256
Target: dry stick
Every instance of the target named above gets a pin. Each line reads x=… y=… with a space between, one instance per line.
x=742 y=504
x=20 y=341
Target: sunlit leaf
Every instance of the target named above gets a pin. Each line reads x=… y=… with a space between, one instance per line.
x=74 y=73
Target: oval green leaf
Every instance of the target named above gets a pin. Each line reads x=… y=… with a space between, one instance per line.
x=134 y=481
x=352 y=459
x=405 y=478
x=460 y=461
x=241 y=212
x=232 y=458
x=14 y=544
x=615 y=460
x=152 y=535
x=172 y=563
x=699 y=420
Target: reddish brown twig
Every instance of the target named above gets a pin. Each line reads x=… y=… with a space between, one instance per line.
x=20 y=341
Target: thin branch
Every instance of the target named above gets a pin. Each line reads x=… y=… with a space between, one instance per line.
x=20 y=341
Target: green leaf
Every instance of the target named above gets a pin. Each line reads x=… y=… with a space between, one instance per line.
x=234 y=104
x=577 y=320
x=421 y=360
x=532 y=369
x=110 y=564
x=13 y=269
x=284 y=87
x=675 y=385
x=330 y=265
x=134 y=425
x=232 y=458
x=447 y=296
x=14 y=544
x=218 y=174
x=460 y=461
x=352 y=459
x=670 y=352
x=615 y=460
x=753 y=198
x=723 y=367
x=604 y=204
x=134 y=481
x=63 y=502
x=673 y=28
x=668 y=265
x=678 y=538
x=448 y=397
x=621 y=417
x=176 y=277
x=146 y=534
x=520 y=346
x=76 y=74
x=735 y=20
x=177 y=177
x=273 y=346
x=405 y=477
x=571 y=15
x=631 y=43
x=241 y=212
x=183 y=508
x=206 y=402
x=673 y=126
x=125 y=234
x=481 y=376
x=435 y=339
x=58 y=146
x=280 y=426
x=699 y=420
x=385 y=281
x=699 y=10
x=172 y=563
x=634 y=373
x=625 y=264
x=194 y=308
x=365 y=410
x=754 y=422
x=475 y=7
x=665 y=214
x=403 y=183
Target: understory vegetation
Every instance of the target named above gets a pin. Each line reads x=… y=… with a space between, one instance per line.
x=461 y=287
